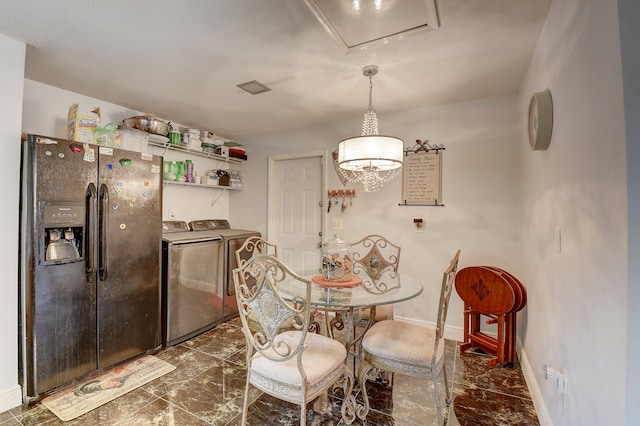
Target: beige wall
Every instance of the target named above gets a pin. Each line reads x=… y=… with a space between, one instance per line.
x=628 y=12
x=577 y=304
x=11 y=81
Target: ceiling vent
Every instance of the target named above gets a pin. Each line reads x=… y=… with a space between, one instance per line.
x=254 y=87
x=359 y=24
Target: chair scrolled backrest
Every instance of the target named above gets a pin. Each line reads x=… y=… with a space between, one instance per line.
x=264 y=303
x=375 y=255
x=448 y=279
x=253 y=246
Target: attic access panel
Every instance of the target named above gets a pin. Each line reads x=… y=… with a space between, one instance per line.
x=358 y=24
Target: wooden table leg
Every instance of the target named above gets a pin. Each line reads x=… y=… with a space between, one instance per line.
x=501 y=338
x=511 y=336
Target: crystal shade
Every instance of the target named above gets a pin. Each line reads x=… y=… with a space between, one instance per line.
x=371 y=159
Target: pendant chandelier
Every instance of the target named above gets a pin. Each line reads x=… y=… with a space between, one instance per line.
x=371 y=159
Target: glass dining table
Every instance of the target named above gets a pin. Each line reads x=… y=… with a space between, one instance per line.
x=342 y=304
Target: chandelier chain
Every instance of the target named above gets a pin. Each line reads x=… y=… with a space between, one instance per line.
x=370 y=123
x=370 y=92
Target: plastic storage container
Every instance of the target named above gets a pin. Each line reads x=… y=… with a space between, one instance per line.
x=106 y=135
x=134 y=140
x=179 y=169
x=188 y=173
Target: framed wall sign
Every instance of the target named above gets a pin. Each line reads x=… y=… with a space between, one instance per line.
x=422 y=175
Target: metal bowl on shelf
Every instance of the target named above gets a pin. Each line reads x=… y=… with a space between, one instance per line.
x=148 y=123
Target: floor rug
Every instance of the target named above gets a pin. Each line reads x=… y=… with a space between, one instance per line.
x=78 y=400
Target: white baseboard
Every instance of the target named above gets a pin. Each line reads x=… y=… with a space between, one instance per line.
x=450 y=332
x=10 y=398
x=530 y=377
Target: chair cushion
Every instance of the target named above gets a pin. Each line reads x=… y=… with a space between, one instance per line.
x=401 y=341
x=321 y=356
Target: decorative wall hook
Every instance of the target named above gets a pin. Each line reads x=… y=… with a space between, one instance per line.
x=336 y=194
x=423 y=146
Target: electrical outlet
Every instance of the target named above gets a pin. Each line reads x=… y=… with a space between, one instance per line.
x=172 y=214
x=336 y=224
x=561 y=381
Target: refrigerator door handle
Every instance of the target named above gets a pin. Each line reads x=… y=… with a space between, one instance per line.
x=103 y=216
x=90 y=232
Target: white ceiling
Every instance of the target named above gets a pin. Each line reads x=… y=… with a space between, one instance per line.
x=182 y=60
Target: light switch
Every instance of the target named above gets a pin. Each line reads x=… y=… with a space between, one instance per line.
x=558 y=240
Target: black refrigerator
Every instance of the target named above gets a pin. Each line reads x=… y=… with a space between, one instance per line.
x=90 y=259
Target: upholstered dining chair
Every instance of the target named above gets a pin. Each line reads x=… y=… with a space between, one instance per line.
x=296 y=365
x=410 y=349
x=253 y=246
x=375 y=255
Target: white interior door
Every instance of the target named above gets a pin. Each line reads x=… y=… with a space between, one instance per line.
x=296 y=213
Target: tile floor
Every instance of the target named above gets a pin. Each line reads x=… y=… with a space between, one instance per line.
x=207 y=388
